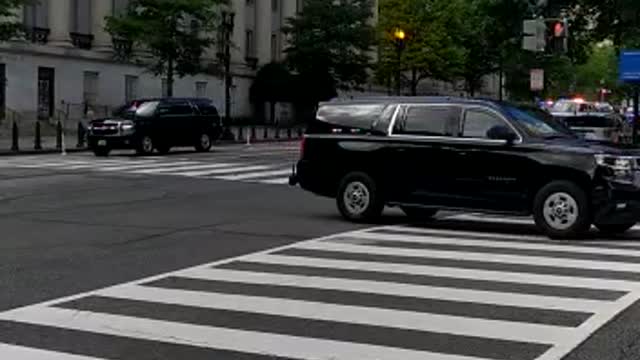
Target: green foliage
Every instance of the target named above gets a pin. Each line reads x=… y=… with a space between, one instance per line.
x=331 y=42
x=430 y=49
x=10 y=27
x=175 y=32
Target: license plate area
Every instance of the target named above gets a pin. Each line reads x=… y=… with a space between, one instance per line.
x=102 y=142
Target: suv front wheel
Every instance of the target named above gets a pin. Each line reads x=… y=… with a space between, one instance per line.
x=358 y=198
x=561 y=210
x=204 y=143
x=145 y=145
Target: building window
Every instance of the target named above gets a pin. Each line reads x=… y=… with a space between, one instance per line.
x=251 y=2
x=130 y=87
x=274 y=47
x=81 y=16
x=274 y=5
x=36 y=14
x=90 y=90
x=250 y=50
x=201 y=89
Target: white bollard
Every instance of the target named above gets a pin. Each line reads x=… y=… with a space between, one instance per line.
x=248 y=137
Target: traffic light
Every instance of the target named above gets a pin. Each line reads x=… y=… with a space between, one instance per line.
x=557 y=36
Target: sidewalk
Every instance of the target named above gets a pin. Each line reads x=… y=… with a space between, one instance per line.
x=237 y=135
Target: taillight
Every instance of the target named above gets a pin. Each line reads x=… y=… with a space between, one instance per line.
x=302 y=144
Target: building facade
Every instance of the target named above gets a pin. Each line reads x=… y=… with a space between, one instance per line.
x=67 y=59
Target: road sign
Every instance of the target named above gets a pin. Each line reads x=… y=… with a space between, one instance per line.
x=537 y=79
x=534 y=35
x=630 y=66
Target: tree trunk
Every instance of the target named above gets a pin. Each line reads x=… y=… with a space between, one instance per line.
x=170 y=77
x=414 y=82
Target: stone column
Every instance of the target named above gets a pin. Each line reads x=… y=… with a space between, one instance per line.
x=263 y=31
x=60 y=23
x=101 y=38
x=238 y=38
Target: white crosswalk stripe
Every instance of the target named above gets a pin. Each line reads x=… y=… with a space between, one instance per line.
x=229 y=168
x=394 y=292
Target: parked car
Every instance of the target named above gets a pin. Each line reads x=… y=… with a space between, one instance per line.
x=157 y=124
x=428 y=154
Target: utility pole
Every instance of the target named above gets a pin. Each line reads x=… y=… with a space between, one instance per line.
x=399 y=37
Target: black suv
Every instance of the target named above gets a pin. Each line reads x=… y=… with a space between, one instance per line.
x=157 y=124
x=426 y=154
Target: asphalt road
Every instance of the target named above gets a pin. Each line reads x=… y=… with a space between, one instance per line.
x=69 y=226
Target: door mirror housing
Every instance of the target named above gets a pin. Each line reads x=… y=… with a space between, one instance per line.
x=502 y=132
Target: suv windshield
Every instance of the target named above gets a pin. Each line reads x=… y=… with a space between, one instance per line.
x=538 y=123
x=147 y=109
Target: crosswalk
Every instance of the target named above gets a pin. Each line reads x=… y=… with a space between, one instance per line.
x=392 y=292
x=236 y=167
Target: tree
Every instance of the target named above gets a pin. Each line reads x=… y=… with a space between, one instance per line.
x=616 y=20
x=431 y=50
x=332 y=41
x=10 y=26
x=175 y=32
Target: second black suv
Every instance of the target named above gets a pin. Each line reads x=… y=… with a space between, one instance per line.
x=426 y=154
x=157 y=124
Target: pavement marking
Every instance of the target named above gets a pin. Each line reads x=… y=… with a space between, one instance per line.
x=10 y=352
x=389 y=288
x=161 y=169
x=256 y=175
x=558 y=340
x=239 y=169
x=479 y=217
x=282 y=181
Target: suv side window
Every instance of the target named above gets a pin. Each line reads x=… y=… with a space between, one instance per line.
x=428 y=120
x=175 y=108
x=478 y=122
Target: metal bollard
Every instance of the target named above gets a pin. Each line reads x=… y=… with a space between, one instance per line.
x=240 y=133
x=81 y=135
x=288 y=133
x=15 y=137
x=265 y=133
x=59 y=135
x=37 y=143
x=278 y=132
x=253 y=132
x=299 y=132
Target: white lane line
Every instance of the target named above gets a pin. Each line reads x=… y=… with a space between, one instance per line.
x=458 y=273
x=476 y=256
x=398 y=289
x=217 y=338
x=256 y=175
x=400 y=319
x=233 y=170
x=481 y=218
x=496 y=244
x=147 y=165
x=200 y=166
x=280 y=181
x=14 y=352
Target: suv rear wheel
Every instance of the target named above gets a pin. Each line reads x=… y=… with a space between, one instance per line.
x=204 y=142
x=358 y=198
x=561 y=210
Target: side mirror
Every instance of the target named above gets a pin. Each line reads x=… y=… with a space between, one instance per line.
x=502 y=132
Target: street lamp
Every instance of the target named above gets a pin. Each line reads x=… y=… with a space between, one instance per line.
x=399 y=37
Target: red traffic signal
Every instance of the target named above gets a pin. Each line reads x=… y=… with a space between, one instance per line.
x=558 y=29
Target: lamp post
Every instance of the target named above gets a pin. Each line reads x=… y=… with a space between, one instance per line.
x=227 y=30
x=399 y=37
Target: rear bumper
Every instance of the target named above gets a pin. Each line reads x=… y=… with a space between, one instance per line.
x=311 y=179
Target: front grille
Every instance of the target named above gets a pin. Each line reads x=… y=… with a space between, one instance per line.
x=104 y=130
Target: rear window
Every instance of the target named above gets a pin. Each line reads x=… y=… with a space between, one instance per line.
x=589 y=121
x=361 y=116
x=429 y=120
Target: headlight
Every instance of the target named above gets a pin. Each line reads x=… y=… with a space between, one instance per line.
x=127 y=126
x=617 y=163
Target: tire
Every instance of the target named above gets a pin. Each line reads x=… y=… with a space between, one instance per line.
x=145 y=145
x=204 y=143
x=419 y=213
x=359 y=199
x=101 y=151
x=614 y=229
x=561 y=210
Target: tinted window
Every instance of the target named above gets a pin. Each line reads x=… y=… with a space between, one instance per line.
x=357 y=116
x=207 y=108
x=535 y=123
x=176 y=108
x=478 y=122
x=429 y=121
